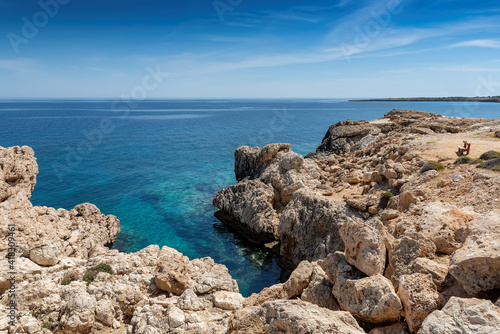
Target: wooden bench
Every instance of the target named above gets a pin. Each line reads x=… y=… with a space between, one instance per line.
x=464 y=149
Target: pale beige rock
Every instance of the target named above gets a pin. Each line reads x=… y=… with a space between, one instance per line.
x=371 y=299
x=189 y=301
x=419 y=297
x=309 y=226
x=248 y=207
x=176 y=317
x=294 y=317
x=399 y=328
x=249 y=320
x=319 y=291
x=405 y=251
x=299 y=279
x=46 y=255
x=464 y=316
x=364 y=247
x=273 y=292
x=438 y=271
x=445 y=225
x=389 y=214
x=335 y=265
x=78 y=314
x=105 y=312
x=228 y=300
x=476 y=265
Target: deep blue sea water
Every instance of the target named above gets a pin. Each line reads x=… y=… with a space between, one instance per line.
x=157 y=166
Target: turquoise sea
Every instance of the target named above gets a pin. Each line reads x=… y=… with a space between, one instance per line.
x=157 y=164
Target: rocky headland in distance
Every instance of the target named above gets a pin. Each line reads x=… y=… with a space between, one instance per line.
x=383 y=230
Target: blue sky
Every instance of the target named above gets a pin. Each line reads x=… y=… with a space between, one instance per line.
x=249 y=48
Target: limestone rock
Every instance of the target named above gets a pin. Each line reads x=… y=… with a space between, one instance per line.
x=299 y=279
x=228 y=300
x=189 y=301
x=466 y=316
x=335 y=265
x=250 y=161
x=438 y=271
x=370 y=299
x=46 y=255
x=319 y=291
x=78 y=314
x=343 y=136
x=364 y=247
x=18 y=171
x=476 y=265
x=445 y=225
x=201 y=275
x=399 y=328
x=419 y=297
x=405 y=251
x=309 y=226
x=294 y=317
x=248 y=208
x=389 y=214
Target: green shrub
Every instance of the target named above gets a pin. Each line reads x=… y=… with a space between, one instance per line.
x=67 y=280
x=463 y=160
x=45 y=325
x=439 y=166
x=91 y=273
x=490 y=155
x=387 y=195
x=476 y=161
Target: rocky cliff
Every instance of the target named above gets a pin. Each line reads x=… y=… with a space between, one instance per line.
x=374 y=228
x=379 y=240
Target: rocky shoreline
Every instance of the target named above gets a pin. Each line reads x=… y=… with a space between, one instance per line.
x=377 y=239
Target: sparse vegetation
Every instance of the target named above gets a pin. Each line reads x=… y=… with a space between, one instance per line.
x=91 y=273
x=67 y=280
x=438 y=166
x=45 y=325
x=468 y=160
x=387 y=195
x=463 y=160
x=490 y=155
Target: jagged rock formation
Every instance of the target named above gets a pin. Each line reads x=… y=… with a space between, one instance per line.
x=345 y=137
x=375 y=245
x=382 y=235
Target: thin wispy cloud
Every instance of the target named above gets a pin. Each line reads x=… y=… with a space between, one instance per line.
x=23 y=65
x=481 y=43
x=467 y=69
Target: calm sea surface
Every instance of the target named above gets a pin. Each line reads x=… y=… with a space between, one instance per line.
x=156 y=166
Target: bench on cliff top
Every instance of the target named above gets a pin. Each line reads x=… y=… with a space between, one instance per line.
x=464 y=149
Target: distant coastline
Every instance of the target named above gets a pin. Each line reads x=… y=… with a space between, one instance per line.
x=494 y=99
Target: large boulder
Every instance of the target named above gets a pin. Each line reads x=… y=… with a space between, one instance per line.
x=248 y=208
x=203 y=276
x=404 y=252
x=476 y=265
x=370 y=299
x=251 y=161
x=419 y=296
x=18 y=171
x=294 y=317
x=342 y=137
x=465 y=316
x=444 y=224
x=309 y=228
x=364 y=247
